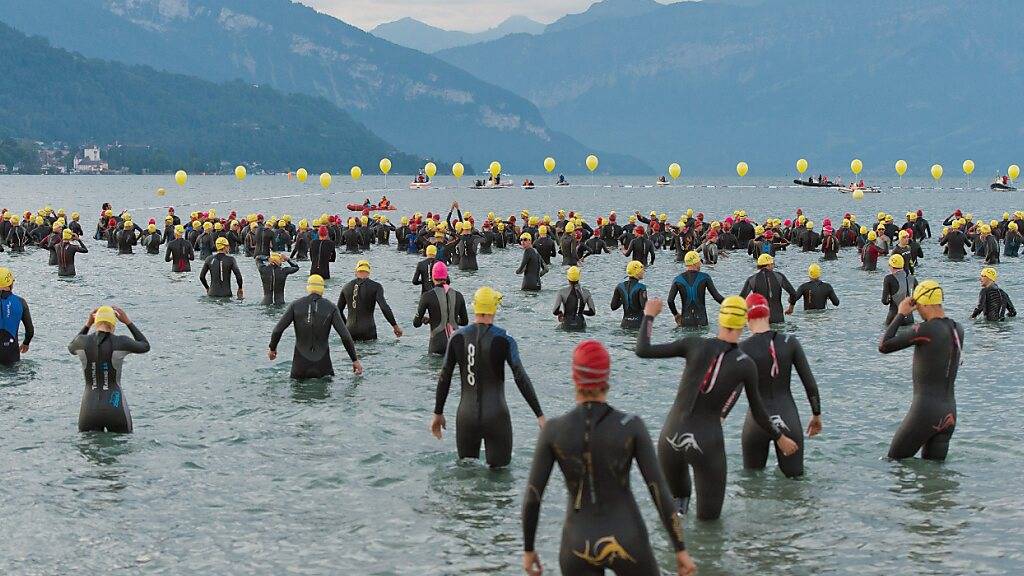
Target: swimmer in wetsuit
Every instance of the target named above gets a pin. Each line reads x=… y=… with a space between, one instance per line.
x=896 y=286
x=573 y=303
x=631 y=296
x=179 y=251
x=938 y=351
x=532 y=266
x=359 y=298
x=815 y=293
x=775 y=355
x=481 y=350
x=220 y=267
x=595 y=446
x=70 y=245
x=993 y=301
x=691 y=286
x=313 y=317
x=770 y=284
x=274 y=271
x=102 y=354
x=422 y=275
x=715 y=371
x=443 y=308
x=13 y=314
x=321 y=253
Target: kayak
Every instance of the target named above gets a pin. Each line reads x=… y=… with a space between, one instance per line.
x=419 y=185
x=817 y=184
x=528 y=187
x=1002 y=187
x=371 y=208
x=866 y=190
x=561 y=183
x=660 y=183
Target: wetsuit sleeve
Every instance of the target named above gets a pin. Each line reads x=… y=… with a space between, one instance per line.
x=444 y=380
x=559 y=299
x=757 y=410
x=384 y=308
x=616 y=298
x=237 y=272
x=651 y=250
x=886 y=296
x=202 y=275
x=282 y=325
x=647 y=461
x=522 y=265
x=672 y=293
x=346 y=336
x=521 y=377
x=793 y=298
x=895 y=339
x=292 y=269
x=591 y=311
x=463 y=316
x=1010 y=310
x=417 y=276
x=747 y=288
x=786 y=285
x=675 y=349
x=421 y=309
x=81 y=247
x=540 y=473
x=981 y=303
x=803 y=368
x=714 y=291
x=832 y=296
x=26 y=319
x=167 y=253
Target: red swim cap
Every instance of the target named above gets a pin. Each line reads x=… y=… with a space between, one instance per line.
x=757 y=306
x=439 y=271
x=591 y=365
x=639 y=230
x=322 y=232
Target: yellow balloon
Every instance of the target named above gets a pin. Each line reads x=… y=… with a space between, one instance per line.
x=937 y=171
x=1013 y=172
x=301 y=174
x=430 y=169
x=801 y=165
x=674 y=170
x=856 y=166
x=901 y=167
x=591 y=162
x=495 y=169
x=858 y=194
x=356 y=172
x=549 y=164
x=325 y=180
x=458 y=169
x=385 y=166
x=240 y=172
x=968 y=167
x=161 y=192
x=741 y=169
x=181 y=177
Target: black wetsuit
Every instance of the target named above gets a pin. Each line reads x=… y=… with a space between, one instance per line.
x=359 y=298
x=994 y=303
x=776 y=355
x=66 y=256
x=715 y=371
x=102 y=354
x=445 y=309
x=938 y=349
x=569 y=249
x=423 y=275
x=313 y=318
x=830 y=247
x=956 y=243
x=300 y=251
x=481 y=351
x=770 y=284
x=691 y=286
x=321 y=254
x=894 y=290
x=467 y=248
x=574 y=303
x=631 y=296
x=815 y=294
x=595 y=445
x=220 y=267
x=180 y=254
x=546 y=247
x=274 y=278
x=152 y=242
x=13 y=313
x=532 y=268
x=641 y=248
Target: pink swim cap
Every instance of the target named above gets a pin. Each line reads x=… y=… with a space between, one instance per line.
x=439 y=272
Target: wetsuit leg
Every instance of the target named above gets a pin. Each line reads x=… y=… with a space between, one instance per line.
x=677 y=471
x=938 y=445
x=104 y=410
x=497 y=436
x=467 y=437
x=303 y=368
x=10 y=352
x=755 y=442
x=792 y=466
x=592 y=545
x=709 y=475
x=915 y=432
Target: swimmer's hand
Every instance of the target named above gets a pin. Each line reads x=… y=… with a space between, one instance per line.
x=531 y=564
x=814 y=428
x=272 y=354
x=907 y=306
x=561 y=317
x=541 y=421
x=241 y=294
x=787 y=446
x=789 y=310
x=438 y=423
x=398 y=330
x=357 y=368
x=679 y=319
x=24 y=349
x=653 y=307
x=684 y=564
x=121 y=315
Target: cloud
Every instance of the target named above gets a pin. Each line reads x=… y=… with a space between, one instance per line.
x=468 y=15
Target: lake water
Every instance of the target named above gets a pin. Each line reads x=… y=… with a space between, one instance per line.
x=235 y=469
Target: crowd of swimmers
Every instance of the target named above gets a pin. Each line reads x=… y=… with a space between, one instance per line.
x=594 y=444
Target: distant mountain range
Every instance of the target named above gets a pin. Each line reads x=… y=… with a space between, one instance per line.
x=603 y=10
x=710 y=83
x=417 y=102
x=426 y=38
x=49 y=94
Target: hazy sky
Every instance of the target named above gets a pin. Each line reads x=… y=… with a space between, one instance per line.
x=468 y=15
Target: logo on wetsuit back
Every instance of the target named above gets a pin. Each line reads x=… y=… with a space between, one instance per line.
x=947 y=422
x=470 y=362
x=778 y=422
x=606 y=550
x=115 y=399
x=680 y=442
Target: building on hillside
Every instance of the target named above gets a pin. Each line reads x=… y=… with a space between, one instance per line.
x=90 y=162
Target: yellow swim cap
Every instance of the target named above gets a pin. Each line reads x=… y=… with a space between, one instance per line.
x=315 y=284
x=863 y=229
x=431 y=251
x=989 y=273
x=363 y=266
x=634 y=269
x=1012 y=226
x=151 y=228
x=993 y=223
x=573 y=274
x=896 y=261
x=691 y=258
x=872 y=236
x=570 y=228
x=208 y=226
x=986 y=229
x=527 y=236
x=542 y=231
x=904 y=234
x=814 y=271
x=179 y=230
x=75 y=216
x=486 y=300
x=276 y=258
x=956 y=224
x=928 y=293
x=765 y=260
x=67 y=234
x=733 y=313
x=6 y=278
x=810 y=225
x=404 y=220
x=758 y=230
x=105 y=315
x=222 y=243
